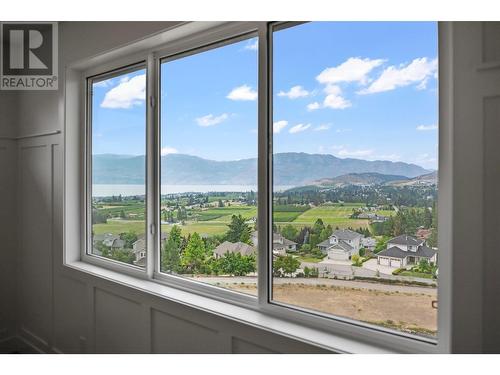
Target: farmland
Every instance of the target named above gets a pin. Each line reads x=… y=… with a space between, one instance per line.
x=126 y=216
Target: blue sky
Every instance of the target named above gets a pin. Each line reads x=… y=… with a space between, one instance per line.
x=361 y=90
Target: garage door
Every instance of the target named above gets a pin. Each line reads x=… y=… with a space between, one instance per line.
x=395 y=263
x=384 y=261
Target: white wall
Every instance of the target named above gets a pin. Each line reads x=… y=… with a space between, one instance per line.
x=8 y=215
x=65 y=310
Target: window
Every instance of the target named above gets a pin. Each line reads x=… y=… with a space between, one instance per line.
x=117 y=146
x=209 y=166
x=355 y=133
x=336 y=122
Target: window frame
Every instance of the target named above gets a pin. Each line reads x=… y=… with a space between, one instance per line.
x=228 y=33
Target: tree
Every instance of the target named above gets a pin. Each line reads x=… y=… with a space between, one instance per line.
x=195 y=256
x=221 y=203
x=235 y=264
x=318 y=226
x=171 y=256
x=239 y=230
x=285 y=265
x=129 y=237
x=289 y=232
x=381 y=244
x=356 y=260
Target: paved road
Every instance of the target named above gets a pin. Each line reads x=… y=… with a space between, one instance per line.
x=322 y=281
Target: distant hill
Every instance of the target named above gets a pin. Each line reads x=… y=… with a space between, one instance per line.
x=289 y=169
x=359 y=179
x=426 y=180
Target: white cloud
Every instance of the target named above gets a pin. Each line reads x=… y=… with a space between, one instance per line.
x=279 y=125
x=243 y=92
x=334 y=98
x=127 y=94
x=416 y=72
x=299 y=128
x=211 y=120
x=168 y=150
x=322 y=127
x=252 y=44
x=105 y=83
x=295 y=92
x=354 y=69
x=342 y=151
x=313 y=106
x=427 y=127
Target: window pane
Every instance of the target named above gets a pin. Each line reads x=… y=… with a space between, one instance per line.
x=209 y=166
x=355 y=133
x=118 y=143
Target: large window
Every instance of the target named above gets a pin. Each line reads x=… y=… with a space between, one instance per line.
x=336 y=122
x=117 y=152
x=209 y=166
x=355 y=132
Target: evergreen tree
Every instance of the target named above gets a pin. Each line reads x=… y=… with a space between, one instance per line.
x=171 y=255
x=239 y=230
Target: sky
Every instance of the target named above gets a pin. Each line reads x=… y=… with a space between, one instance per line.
x=364 y=90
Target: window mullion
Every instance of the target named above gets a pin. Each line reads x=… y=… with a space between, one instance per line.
x=152 y=166
x=264 y=166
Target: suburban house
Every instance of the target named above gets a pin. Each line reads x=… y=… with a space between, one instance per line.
x=342 y=244
x=404 y=250
x=369 y=243
x=113 y=241
x=281 y=245
x=372 y=216
x=139 y=248
x=233 y=247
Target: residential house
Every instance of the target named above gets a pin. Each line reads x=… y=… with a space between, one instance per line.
x=281 y=245
x=369 y=243
x=139 y=248
x=405 y=250
x=423 y=234
x=342 y=244
x=233 y=247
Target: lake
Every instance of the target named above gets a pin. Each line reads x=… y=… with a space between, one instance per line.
x=100 y=190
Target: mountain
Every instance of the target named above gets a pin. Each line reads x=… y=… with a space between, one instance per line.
x=426 y=180
x=359 y=179
x=289 y=169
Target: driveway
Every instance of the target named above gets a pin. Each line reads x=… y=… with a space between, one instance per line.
x=373 y=266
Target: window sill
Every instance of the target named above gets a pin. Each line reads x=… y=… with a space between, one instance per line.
x=239 y=314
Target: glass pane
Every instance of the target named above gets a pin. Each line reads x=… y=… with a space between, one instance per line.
x=118 y=167
x=209 y=166
x=356 y=135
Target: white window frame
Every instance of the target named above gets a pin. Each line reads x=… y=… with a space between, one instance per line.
x=151 y=53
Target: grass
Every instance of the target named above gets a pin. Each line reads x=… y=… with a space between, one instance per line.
x=309 y=259
x=416 y=274
x=333 y=214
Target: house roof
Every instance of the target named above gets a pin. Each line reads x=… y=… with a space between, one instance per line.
x=396 y=252
x=404 y=239
x=368 y=241
x=325 y=243
x=105 y=237
x=346 y=234
x=234 y=247
x=341 y=245
x=118 y=243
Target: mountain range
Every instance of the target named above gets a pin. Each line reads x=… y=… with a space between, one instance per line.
x=370 y=179
x=289 y=169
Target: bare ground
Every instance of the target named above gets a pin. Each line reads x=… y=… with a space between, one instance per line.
x=411 y=312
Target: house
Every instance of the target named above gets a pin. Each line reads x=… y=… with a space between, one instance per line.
x=139 y=248
x=369 y=243
x=342 y=244
x=281 y=245
x=233 y=247
x=106 y=238
x=404 y=250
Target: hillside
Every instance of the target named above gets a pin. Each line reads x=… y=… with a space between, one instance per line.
x=289 y=169
x=359 y=179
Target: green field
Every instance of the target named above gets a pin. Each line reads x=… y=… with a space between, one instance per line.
x=215 y=220
x=333 y=214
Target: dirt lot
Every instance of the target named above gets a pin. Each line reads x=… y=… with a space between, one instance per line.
x=410 y=312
